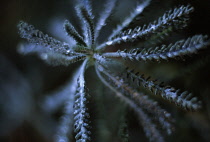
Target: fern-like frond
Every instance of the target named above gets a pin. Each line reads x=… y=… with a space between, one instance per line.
x=55 y=99
x=178 y=49
x=134 y=100
x=87 y=17
x=81 y=116
x=150 y=129
x=109 y=7
x=143 y=101
x=138 y=10
x=82 y=49
x=59 y=59
x=172 y=51
x=64 y=95
x=110 y=68
x=35 y=36
x=50 y=57
x=176 y=18
x=71 y=31
x=87 y=4
x=182 y=99
x=159 y=37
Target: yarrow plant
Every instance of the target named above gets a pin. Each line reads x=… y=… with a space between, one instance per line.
x=125 y=82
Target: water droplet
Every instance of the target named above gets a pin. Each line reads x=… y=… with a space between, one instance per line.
x=44 y=56
x=109 y=43
x=124 y=38
x=139 y=8
x=100 y=68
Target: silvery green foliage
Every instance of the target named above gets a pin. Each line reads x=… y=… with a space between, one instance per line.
x=87 y=48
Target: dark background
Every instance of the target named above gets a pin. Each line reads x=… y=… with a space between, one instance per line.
x=24 y=79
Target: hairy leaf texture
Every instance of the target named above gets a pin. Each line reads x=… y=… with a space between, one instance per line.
x=183 y=99
x=71 y=32
x=109 y=7
x=138 y=102
x=172 y=51
x=37 y=37
x=58 y=59
x=172 y=19
x=80 y=110
x=108 y=60
x=138 y=10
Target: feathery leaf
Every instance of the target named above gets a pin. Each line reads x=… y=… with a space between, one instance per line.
x=87 y=18
x=182 y=99
x=81 y=116
x=134 y=100
x=110 y=71
x=70 y=30
x=173 y=51
x=138 y=10
x=110 y=5
x=176 y=18
x=57 y=59
x=37 y=37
